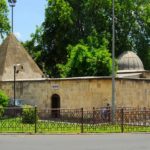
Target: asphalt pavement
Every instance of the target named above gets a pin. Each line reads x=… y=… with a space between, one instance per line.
x=76 y=142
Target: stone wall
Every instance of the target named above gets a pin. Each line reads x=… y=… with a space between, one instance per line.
x=81 y=92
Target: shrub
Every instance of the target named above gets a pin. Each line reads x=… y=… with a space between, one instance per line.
x=1 y=111
x=28 y=114
x=3 y=99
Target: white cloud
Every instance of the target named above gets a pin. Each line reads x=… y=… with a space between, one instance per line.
x=18 y=35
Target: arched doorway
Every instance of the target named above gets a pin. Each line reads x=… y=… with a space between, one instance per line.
x=55 y=105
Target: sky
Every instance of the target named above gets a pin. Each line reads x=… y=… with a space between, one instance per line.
x=27 y=15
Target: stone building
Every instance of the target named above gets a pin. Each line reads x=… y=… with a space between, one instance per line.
x=132 y=82
x=12 y=53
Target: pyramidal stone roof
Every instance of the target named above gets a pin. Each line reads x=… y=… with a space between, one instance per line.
x=12 y=53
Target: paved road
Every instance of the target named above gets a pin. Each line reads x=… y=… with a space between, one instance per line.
x=76 y=142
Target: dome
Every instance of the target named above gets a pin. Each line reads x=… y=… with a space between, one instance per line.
x=129 y=61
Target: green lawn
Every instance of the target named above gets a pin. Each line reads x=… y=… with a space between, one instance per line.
x=15 y=125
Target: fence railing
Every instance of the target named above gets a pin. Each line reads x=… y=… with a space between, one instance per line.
x=35 y=120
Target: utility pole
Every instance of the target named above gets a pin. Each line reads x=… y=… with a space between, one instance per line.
x=12 y=4
x=113 y=62
x=17 y=68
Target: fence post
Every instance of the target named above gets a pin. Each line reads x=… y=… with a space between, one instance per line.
x=35 y=115
x=82 y=120
x=1 y=109
x=94 y=115
x=145 y=116
x=122 y=120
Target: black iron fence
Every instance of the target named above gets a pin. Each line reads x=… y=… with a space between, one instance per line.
x=35 y=120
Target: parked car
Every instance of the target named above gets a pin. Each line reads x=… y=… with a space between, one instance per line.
x=17 y=102
x=14 y=110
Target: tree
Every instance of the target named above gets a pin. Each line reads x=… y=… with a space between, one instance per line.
x=35 y=47
x=130 y=24
x=56 y=34
x=4 y=21
x=143 y=36
x=69 y=21
x=89 y=58
x=3 y=99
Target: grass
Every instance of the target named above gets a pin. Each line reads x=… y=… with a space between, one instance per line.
x=15 y=125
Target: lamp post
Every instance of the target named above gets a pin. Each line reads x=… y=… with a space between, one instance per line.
x=113 y=61
x=17 y=68
x=12 y=4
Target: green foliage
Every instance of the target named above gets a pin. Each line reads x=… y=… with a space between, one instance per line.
x=4 y=21
x=143 y=44
x=28 y=114
x=3 y=99
x=130 y=25
x=56 y=35
x=68 y=21
x=36 y=43
x=1 y=111
x=87 y=59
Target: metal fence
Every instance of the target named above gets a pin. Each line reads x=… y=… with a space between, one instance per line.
x=35 y=120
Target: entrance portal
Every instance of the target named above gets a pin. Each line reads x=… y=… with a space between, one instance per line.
x=55 y=105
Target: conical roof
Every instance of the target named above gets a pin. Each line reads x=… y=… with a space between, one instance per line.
x=11 y=53
x=129 y=61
